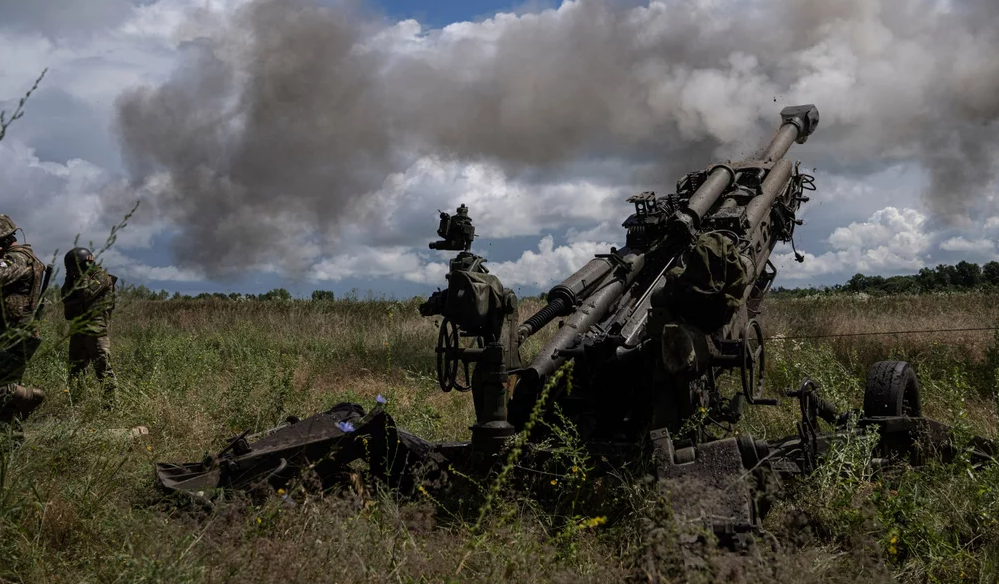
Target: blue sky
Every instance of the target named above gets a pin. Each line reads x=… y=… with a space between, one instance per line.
x=443 y=12
x=543 y=123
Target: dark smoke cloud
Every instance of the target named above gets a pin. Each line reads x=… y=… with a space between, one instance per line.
x=286 y=118
x=265 y=137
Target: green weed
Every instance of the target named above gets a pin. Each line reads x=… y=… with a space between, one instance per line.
x=78 y=503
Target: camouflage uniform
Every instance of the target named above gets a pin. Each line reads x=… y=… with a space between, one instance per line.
x=21 y=276
x=88 y=301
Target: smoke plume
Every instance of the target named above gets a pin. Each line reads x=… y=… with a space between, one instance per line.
x=286 y=117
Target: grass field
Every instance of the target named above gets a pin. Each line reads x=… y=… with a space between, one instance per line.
x=78 y=503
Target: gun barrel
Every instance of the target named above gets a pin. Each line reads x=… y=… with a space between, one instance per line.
x=720 y=178
x=563 y=297
x=780 y=144
x=594 y=308
x=759 y=208
x=798 y=123
x=578 y=284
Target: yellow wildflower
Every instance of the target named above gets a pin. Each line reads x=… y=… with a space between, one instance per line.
x=554 y=482
x=592 y=522
x=280 y=491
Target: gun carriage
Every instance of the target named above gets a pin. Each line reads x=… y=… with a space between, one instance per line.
x=651 y=328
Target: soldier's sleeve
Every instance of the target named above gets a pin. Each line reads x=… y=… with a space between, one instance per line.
x=84 y=291
x=84 y=299
x=95 y=287
x=114 y=291
x=13 y=267
x=107 y=283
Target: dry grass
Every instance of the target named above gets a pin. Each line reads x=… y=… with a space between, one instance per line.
x=839 y=315
x=77 y=501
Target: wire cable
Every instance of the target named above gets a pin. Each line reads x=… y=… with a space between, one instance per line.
x=873 y=333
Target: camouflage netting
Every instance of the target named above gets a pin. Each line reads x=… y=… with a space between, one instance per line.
x=473 y=298
x=711 y=285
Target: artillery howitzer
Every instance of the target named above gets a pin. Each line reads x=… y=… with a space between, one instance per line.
x=650 y=328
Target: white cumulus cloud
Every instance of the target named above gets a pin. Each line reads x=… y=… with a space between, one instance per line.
x=501 y=206
x=640 y=92
x=541 y=269
x=368 y=262
x=961 y=243
x=135 y=271
x=549 y=265
x=56 y=204
x=889 y=240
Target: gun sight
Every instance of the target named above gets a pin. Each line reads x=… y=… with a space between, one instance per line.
x=457 y=231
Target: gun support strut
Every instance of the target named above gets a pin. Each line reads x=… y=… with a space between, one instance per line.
x=490 y=382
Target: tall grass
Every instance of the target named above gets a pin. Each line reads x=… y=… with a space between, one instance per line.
x=78 y=503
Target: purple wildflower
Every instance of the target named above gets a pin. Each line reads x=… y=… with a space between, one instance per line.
x=345 y=426
x=380 y=399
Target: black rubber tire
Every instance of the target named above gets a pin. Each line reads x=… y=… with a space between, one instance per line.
x=892 y=390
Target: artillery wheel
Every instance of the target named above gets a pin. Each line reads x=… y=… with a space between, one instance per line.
x=892 y=390
x=448 y=340
x=453 y=372
x=752 y=360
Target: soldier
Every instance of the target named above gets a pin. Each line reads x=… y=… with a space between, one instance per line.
x=21 y=282
x=88 y=301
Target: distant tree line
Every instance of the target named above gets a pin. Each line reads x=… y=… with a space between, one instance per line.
x=277 y=294
x=141 y=292
x=962 y=277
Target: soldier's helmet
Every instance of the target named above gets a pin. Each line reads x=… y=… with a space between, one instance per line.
x=78 y=260
x=7 y=227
